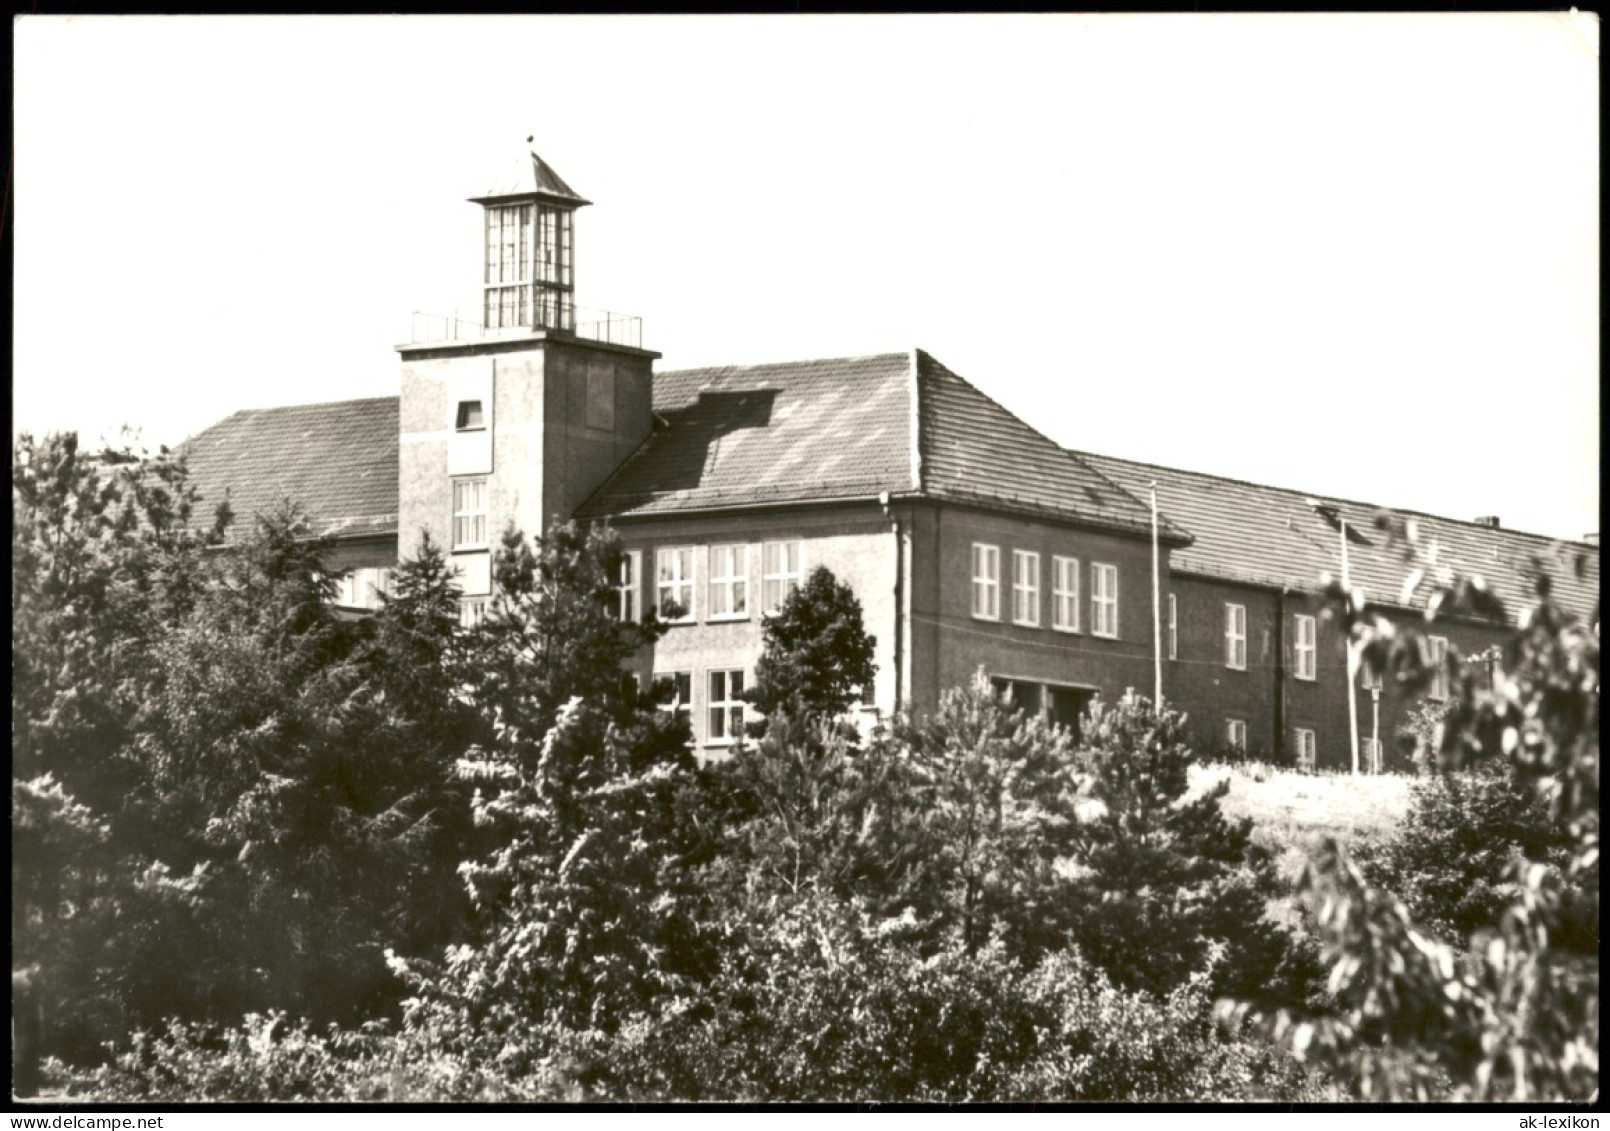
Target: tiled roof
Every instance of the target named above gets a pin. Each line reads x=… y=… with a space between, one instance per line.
x=802 y=431
x=1274 y=536
x=975 y=450
x=337 y=460
x=814 y=431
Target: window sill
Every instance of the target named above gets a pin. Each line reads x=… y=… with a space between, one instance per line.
x=991 y=620
x=1027 y=623
x=1067 y=631
x=1105 y=635
x=475 y=548
x=727 y=618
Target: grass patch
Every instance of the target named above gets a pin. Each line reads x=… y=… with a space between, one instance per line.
x=1292 y=812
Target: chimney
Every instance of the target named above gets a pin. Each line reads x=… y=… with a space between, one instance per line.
x=1591 y=539
x=1488 y=520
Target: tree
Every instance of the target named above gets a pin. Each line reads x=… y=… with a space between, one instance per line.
x=103 y=558
x=817 y=658
x=1161 y=881
x=576 y=890
x=1512 y=1014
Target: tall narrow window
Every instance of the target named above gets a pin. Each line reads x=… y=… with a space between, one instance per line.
x=1103 y=599
x=1065 y=594
x=1307 y=647
x=471 y=612
x=1025 y=588
x=780 y=571
x=1173 y=628
x=729 y=582
x=1235 y=637
x=469 y=514
x=986 y=581
x=509 y=233
x=630 y=589
x=1235 y=735
x=673 y=572
x=673 y=692
x=1438 y=659
x=726 y=705
x=1307 y=748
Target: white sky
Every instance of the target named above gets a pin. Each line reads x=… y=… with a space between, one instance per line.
x=1356 y=255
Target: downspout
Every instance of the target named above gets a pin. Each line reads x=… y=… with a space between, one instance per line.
x=1280 y=678
x=902 y=591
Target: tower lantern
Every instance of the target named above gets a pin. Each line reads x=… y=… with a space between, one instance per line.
x=528 y=274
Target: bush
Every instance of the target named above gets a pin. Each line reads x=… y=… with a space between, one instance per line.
x=831 y=1005
x=1453 y=860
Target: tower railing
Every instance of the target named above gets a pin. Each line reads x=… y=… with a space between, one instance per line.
x=605 y=326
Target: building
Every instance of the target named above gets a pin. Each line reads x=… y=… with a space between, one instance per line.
x=971 y=540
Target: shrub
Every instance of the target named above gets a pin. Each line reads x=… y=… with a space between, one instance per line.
x=1453 y=859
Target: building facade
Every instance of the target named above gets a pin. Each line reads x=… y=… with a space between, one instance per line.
x=971 y=540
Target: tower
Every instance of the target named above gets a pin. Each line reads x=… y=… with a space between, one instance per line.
x=529 y=267
x=515 y=418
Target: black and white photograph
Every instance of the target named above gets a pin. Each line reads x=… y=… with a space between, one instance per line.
x=1017 y=559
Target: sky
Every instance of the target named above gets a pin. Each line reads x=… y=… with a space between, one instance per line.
x=1352 y=255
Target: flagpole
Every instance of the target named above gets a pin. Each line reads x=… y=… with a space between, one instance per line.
x=1352 y=673
x=1157 y=610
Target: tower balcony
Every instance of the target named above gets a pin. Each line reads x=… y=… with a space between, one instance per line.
x=607 y=326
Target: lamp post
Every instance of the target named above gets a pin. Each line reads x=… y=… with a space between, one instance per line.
x=1375 y=728
x=1157 y=612
x=1334 y=514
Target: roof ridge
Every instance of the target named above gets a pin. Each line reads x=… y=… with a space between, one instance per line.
x=886 y=355
x=916 y=434
x=1024 y=426
x=1334 y=498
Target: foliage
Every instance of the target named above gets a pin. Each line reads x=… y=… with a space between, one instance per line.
x=1159 y=880
x=828 y=1003
x=817 y=1002
x=1453 y=859
x=817 y=658
x=1514 y=1014
x=575 y=889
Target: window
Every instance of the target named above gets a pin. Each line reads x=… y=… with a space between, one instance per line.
x=630 y=588
x=469 y=514
x=1173 y=628
x=1439 y=666
x=1235 y=735
x=1065 y=594
x=1104 y=599
x=362 y=588
x=1307 y=748
x=470 y=416
x=673 y=571
x=471 y=612
x=673 y=692
x=726 y=706
x=986 y=581
x=729 y=582
x=1307 y=647
x=1025 y=587
x=780 y=573
x=1235 y=637
x=529 y=274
